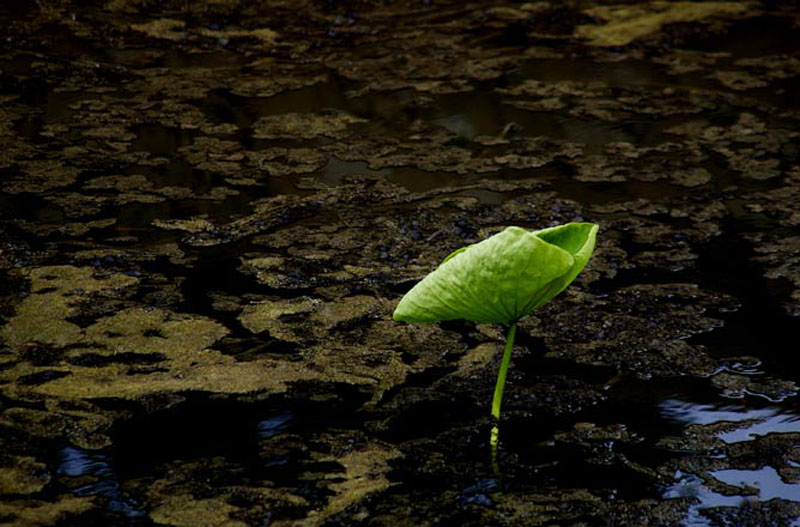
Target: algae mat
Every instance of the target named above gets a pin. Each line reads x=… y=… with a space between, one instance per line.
x=209 y=210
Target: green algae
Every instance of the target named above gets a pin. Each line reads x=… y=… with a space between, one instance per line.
x=625 y=23
x=266 y=314
x=22 y=475
x=42 y=174
x=305 y=126
x=163 y=28
x=39 y=513
x=55 y=291
x=186 y=510
x=364 y=474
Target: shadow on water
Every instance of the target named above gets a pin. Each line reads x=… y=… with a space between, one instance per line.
x=773 y=35
x=203 y=426
x=760 y=327
x=197 y=429
x=482 y=111
x=487 y=113
x=159 y=140
x=243 y=111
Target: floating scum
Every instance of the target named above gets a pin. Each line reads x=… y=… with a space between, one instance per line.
x=499 y=281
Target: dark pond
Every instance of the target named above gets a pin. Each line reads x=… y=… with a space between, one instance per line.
x=209 y=210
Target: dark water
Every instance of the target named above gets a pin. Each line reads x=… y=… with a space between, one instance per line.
x=652 y=409
x=243 y=432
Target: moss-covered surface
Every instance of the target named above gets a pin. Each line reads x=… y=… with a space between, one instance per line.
x=209 y=209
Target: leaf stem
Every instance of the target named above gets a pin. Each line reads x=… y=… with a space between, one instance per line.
x=498 y=390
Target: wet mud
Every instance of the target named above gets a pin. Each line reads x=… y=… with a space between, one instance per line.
x=208 y=211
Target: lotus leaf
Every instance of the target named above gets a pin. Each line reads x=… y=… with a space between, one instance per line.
x=500 y=280
x=503 y=278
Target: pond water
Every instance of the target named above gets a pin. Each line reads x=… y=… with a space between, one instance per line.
x=208 y=212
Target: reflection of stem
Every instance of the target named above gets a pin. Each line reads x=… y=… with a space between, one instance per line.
x=498 y=394
x=493 y=440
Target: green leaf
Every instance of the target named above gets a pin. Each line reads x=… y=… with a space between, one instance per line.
x=578 y=239
x=503 y=278
x=457 y=251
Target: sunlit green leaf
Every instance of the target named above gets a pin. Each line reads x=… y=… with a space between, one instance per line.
x=502 y=278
